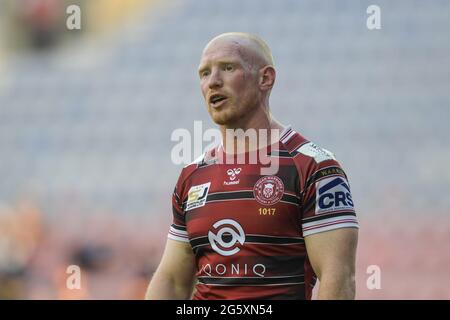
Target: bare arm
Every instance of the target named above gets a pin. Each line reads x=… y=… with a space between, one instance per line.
x=332 y=255
x=175 y=276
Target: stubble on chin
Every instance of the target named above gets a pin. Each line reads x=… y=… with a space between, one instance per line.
x=221 y=118
x=233 y=116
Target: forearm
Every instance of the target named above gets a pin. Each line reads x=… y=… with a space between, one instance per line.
x=336 y=288
x=164 y=287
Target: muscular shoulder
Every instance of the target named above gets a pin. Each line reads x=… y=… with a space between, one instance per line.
x=312 y=161
x=204 y=160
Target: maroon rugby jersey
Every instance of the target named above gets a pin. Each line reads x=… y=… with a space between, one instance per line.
x=247 y=229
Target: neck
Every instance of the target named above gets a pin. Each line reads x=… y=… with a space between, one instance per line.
x=252 y=134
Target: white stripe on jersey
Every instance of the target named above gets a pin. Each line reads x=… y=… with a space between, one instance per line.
x=173 y=237
x=308 y=225
x=333 y=226
x=289 y=136
x=179 y=232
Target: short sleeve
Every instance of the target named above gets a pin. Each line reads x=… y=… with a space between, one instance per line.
x=177 y=229
x=327 y=200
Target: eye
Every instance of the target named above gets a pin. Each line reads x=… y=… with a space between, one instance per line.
x=204 y=73
x=229 y=67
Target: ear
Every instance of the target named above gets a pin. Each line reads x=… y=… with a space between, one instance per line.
x=267 y=76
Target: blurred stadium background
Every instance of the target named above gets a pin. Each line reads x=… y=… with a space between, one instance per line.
x=86 y=117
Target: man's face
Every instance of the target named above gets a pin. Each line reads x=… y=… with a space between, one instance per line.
x=229 y=83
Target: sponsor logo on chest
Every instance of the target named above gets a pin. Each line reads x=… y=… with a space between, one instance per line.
x=232 y=175
x=222 y=245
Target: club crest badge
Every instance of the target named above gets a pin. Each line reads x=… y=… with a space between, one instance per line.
x=268 y=190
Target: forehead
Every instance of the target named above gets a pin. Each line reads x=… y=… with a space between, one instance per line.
x=221 y=51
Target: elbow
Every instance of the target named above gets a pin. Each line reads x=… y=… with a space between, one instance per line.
x=349 y=288
x=337 y=286
x=164 y=286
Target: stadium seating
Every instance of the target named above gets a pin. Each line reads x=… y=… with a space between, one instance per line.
x=92 y=121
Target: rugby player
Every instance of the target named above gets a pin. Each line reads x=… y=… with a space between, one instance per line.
x=238 y=233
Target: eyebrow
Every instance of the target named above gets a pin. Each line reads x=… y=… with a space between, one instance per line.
x=220 y=62
x=202 y=68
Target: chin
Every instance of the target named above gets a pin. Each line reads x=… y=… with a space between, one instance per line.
x=223 y=117
x=221 y=121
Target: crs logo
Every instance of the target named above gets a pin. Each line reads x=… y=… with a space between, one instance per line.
x=333 y=194
x=228 y=234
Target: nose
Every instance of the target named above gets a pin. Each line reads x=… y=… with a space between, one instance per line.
x=215 y=80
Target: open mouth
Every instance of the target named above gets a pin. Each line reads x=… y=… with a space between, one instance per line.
x=216 y=99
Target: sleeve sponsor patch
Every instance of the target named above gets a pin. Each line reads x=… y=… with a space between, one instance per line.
x=319 y=154
x=333 y=194
x=329 y=171
x=197 y=196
